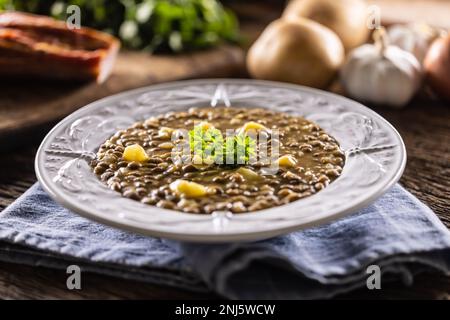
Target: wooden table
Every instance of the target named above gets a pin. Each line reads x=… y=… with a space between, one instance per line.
x=424 y=125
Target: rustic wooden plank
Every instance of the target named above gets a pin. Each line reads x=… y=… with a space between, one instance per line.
x=24 y=282
x=425 y=128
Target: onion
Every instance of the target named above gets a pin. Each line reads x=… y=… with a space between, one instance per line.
x=437 y=66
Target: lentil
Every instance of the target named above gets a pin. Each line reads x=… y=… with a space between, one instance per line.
x=315 y=160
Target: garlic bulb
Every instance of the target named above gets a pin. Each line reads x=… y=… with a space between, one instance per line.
x=415 y=38
x=381 y=73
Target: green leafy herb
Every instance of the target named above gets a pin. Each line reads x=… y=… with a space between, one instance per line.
x=210 y=144
x=154 y=25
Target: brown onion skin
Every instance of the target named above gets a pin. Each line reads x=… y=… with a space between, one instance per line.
x=437 y=66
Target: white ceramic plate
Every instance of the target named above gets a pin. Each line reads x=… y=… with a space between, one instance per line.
x=375 y=154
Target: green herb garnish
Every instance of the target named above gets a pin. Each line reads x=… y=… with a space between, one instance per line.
x=209 y=144
x=154 y=25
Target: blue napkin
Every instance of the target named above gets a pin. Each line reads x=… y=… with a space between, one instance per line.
x=397 y=233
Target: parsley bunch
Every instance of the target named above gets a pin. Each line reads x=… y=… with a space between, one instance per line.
x=210 y=144
x=153 y=25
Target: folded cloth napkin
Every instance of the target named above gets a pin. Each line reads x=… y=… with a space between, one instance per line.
x=397 y=233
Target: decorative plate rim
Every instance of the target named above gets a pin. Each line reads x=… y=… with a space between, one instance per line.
x=264 y=223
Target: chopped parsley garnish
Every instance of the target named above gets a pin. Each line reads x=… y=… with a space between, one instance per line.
x=209 y=144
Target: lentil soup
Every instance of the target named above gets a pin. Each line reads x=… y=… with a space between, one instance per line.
x=138 y=162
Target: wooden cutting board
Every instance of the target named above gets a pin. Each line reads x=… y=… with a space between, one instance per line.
x=28 y=104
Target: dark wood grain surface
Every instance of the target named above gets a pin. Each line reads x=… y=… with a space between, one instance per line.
x=424 y=126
